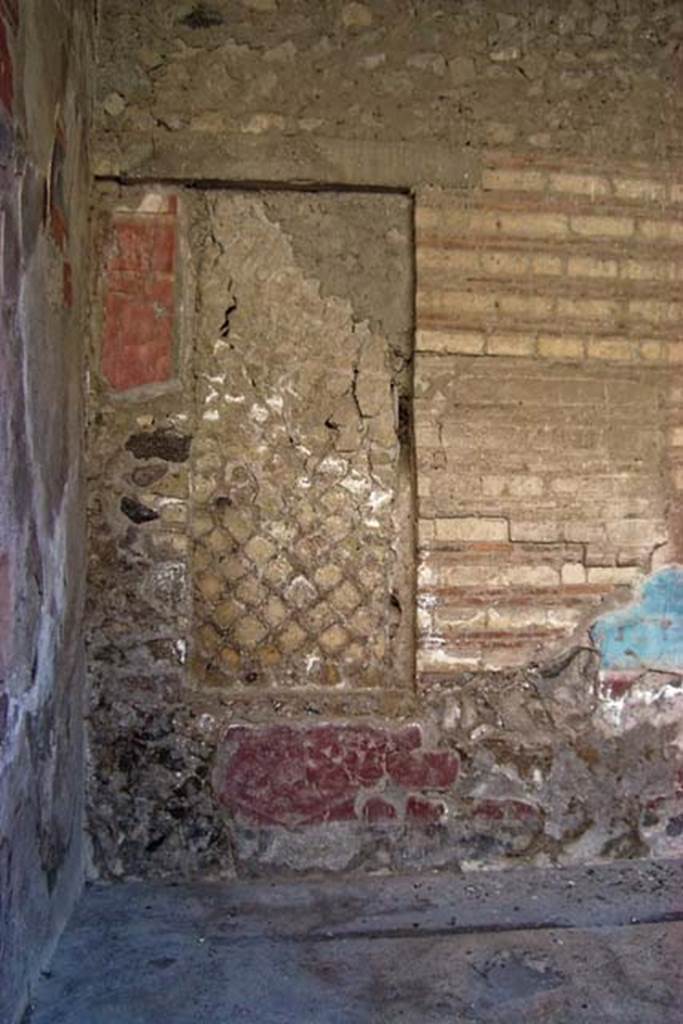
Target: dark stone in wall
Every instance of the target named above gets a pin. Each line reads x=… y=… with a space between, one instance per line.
x=4 y=705
x=202 y=17
x=136 y=511
x=5 y=141
x=160 y=444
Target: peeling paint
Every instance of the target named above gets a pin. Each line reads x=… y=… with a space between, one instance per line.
x=648 y=633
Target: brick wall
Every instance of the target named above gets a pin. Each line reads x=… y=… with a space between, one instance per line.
x=547 y=424
x=251 y=522
x=548 y=340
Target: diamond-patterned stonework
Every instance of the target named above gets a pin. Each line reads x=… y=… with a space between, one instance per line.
x=295 y=475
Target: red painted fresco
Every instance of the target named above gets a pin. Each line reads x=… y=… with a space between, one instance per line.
x=6 y=70
x=285 y=775
x=139 y=302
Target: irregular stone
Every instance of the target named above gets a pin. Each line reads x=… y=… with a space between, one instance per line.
x=160 y=444
x=291 y=638
x=433 y=62
x=504 y=54
x=249 y=632
x=284 y=52
x=114 y=104
x=333 y=639
x=260 y=123
x=356 y=15
x=260 y=5
x=136 y=511
x=300 y=592
x=202 y=16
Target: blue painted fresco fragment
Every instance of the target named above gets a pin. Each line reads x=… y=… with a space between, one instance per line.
x=647 y=634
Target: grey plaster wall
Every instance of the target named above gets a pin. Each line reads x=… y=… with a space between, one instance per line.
x=45 y=61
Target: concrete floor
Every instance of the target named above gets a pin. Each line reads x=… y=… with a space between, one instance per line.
x=590 y=945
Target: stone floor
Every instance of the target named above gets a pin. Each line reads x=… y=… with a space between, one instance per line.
x=590 y=945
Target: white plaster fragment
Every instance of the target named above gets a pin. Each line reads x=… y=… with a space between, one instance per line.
x=427 y=576
x=433 y=652
x=373 y=60
x=378 y=499
x=475 y=865
x=260 y=123
x=424 y=620
x=220 y=346
x=283 y=532
x=356 y=484
x=452 y=716
x=667 y=692
x=333 y=464
x=152 y=202
x=258 y=413
x=658 y=705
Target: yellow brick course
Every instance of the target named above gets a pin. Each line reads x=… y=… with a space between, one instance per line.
x=590 y=185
